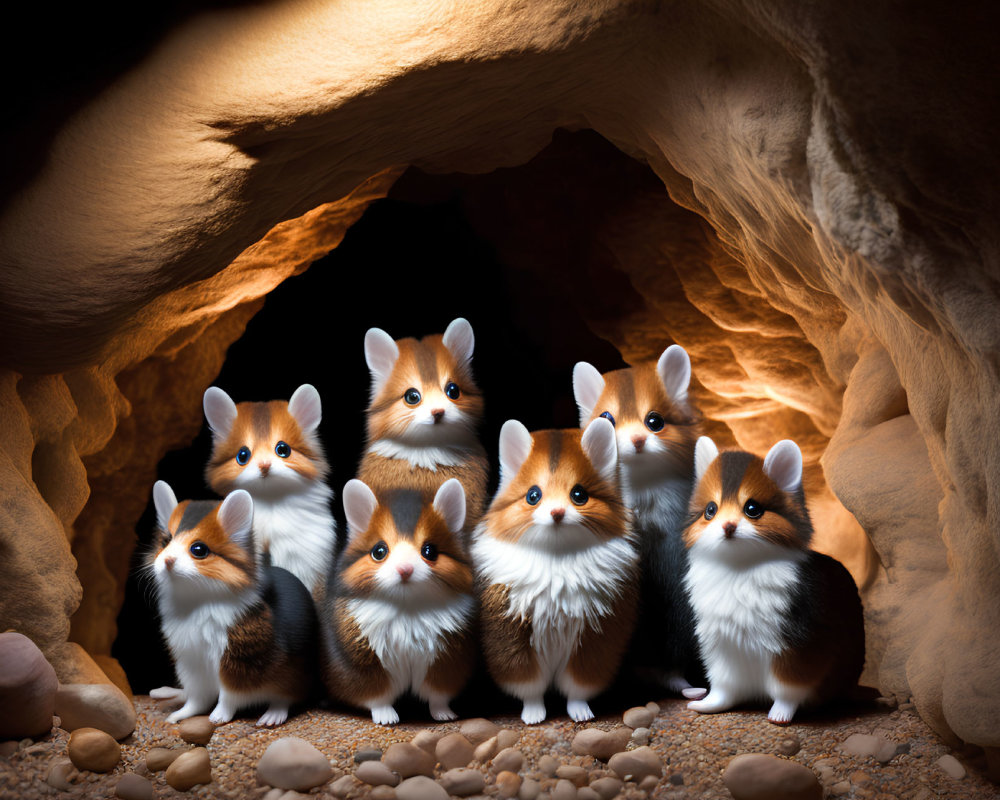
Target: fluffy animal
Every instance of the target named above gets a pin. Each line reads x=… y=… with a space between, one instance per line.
x=240 y=633
x=557 y=568
x=272 y=450
x=775 y=620
x=656 y=427
x=422 y=418
x=399 y=612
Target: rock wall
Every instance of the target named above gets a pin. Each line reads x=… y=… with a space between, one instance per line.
x=830 y=236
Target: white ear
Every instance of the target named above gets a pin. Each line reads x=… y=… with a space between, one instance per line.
x=783 y=465
x=449 y=502
x=306 y=407
x=515 y=447
x=236 y=517
x=600 y=446
x=220 y=411
x=359 y=505
x=165 y=501
x=459 y=339
x=587 y=387
x=381 y=353
x=705 y=452
x=674 y=369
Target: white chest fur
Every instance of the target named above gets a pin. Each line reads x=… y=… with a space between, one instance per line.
x=299 y=532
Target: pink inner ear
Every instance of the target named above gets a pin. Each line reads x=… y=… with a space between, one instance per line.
x=599 y=445
x=783 y=465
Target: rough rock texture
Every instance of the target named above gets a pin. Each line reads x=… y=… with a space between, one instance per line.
x=822 y=239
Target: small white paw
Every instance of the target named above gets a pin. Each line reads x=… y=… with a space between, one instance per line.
x=220 y=715
x=781 y=712
x=168 y=693
x=714 y=702
x=187 y=710
x=385 y=715
x=533 y=713
x=579 y=710
x=443 y=713
x=275 y=715
x=694 y=692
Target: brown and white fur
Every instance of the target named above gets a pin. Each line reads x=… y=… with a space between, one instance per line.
x=421 y=444
x=284 y=471
x=775 y=620
x=400 y=610
x=240 y=634
x=656 y=426
x=557 y=576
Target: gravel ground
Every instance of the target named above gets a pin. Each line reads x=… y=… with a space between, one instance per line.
x=694 y=749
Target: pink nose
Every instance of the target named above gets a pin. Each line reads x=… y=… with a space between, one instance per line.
x=558 y=514
x=638 y=442
x=438 y=414
x=169 y=561
x=729 y=529
x=264 y=467
x=405 y=571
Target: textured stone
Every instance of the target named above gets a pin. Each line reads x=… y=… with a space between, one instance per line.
x=463 y=781
x=862 y=744
x=196 y=730
x=639 y=717
x=607 y=787
x=575 y=775
x=507 y=738
x=634 y=765
x=478 y=730
x=547 y=765
x=420 y=787
x=530 y=789
x=133 y=787
x=454 y=750
x=95 y=750
x=95 y=705
x=375 y=773
x=27 y=688
x=293 y=763
x=368 y=754
x=191 y=768
x=754 y=776
x=58 y=774
x=600 y=743
x=790 y=745
x=564 y=790
x=508 y=783
x=409 y=760
x=509 y=760
x=344 y=785
x=426 y=740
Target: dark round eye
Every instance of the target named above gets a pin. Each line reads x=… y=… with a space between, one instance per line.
x=607 y=415
x=429 y=551
x=380 y=551
x=753 y=509
x=533 y=496
x=282 y=450
x=710 y=510
x=411 y=397
x=199 y=550
x=243 y=456
x=654 y=421
x=578 y=495
x=452 y=391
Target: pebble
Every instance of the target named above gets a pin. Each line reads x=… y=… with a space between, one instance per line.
x=649 y=783
x=840 y=788
x=653 y=707
x=575 y=775
x=368 y=754
x=755 y=776
x=640 y=736
x=508 y=783
x=951 y=766
x=530 y=788
x=159 y=758
x=426 y=740
x=375 y=773
x=95 y=705
x=607 y=787
x=638 y=717
x=343 y=786
x=507 y=738
x=28 y=687
x=58 y=774
x=586 y=793
x=862 y=744
x=636 y=764
x=789 y=746
x=463 y=781
x=189 y=769
x=601 y=744
x=134 y=787
x=547 y=765
x=509 y=760
x=293 y=763
x=196 y=730
x=454 y=750
x=379 y=793
x=92 y=749
x=420 y=787
x=478 y=730
x=409 y=760
x=486 y=750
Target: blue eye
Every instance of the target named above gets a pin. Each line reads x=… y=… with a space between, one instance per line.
x=578 y=495
x=710 y=510
x=533 y=496
x=411 y=397
x=608 y=417
x=243 y=456
x=282 y=450
x=199 y=550
x=452 y=391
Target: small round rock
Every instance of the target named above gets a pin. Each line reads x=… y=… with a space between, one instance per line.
x=530 y=789
x=790 y=745
x=95 y=705
x=196 y=730
x=343 y=785
x=952 y=767
x=640 y=736
x=638 y=717
x=426 y=740
x=586 y=793
x=190 y=769
x=133 y=787
x=420 y=787
x=159 y=758
x=454 y=750
x=463 y=781
x=756 y=776
x=547 y=765
x=634 y=765
x=378 y=793
x=564 y=790
x=862 y=744
x=575 y=775
x=293 y=763
x=601 y=744
x=486 y=750
x=607 y=787
x=507 y=738
x=58 y=774
x=92 y=749
x=478 y=730
x=409 y=760
x=508 y=783
x=509 y=760
x=367 y=754
x=375 y=773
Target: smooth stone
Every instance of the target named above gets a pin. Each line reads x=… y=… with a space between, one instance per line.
x=649 y=783
x=640 y=736
x=509 y=760
x=293 y=763
x=409 y=760
x=530 y=789
x=57 y=775
x=839 y=789
x=196 y=730
x=508 y=783
x=586 y=793
x=344 y=786
x=634 y=765
x=756 y=776
x=952 y=767
x=478 y=730
x=133 y=787
x=427 y=740
x=564 y=790
x=454 y=750
x=789 y=746
x=92 y=749
x=367 y=754
x=601 y=744
x=507 y=738
x=653 y=707
x=95 y=705
x=547 y=765
x=575 y=775
x=607 y=787
x=379 y=793
x=274 y=794
x=886 y=752
x=486 y=750
x=420 y=787
x=638 y=717
x=28 y=687
x=862 y=744
x=159 y=758
x=462 y=781
x=375 y=773
x=190 y=768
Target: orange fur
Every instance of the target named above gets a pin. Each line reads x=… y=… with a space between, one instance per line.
x=226 y=561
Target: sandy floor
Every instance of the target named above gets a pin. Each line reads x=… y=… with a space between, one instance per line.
x=695 y=749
